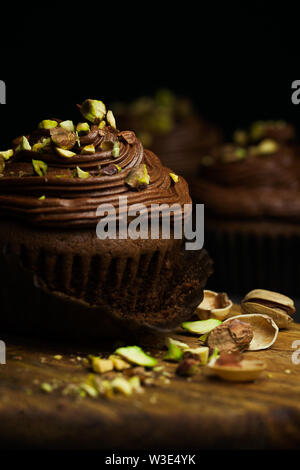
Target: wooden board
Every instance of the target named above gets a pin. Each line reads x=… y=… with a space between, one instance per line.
x=200 y=412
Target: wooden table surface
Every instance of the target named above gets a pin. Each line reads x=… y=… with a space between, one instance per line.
x=200 y=412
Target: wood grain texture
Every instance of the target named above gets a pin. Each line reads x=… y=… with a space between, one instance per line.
x=200 y=412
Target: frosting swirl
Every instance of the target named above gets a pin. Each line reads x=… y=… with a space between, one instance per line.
x=60 y=199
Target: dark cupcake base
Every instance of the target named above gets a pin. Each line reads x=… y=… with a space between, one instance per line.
x=251 y=255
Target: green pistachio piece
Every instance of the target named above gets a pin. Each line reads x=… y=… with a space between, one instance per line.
x=63 y=138
x=82 y=174
x=23 y=145
x=267 y=146
x=122 y=385
x=202 y=352
x=116 y=149
x=202 y=326
x=93 y=110
x=136 y=355
x=240 y=153
x=7 y=154
x=102 y=124
x=118 y=167
x=177 y=343
x=47 y=124
x=135 y=383
x=65 y=153
x=42 y=198
x=240 y=137
x=46 y=387
x=107 y=145
x=67 y=125
x=174 y=177
x=82 y=127
x=174 y=353
x=88 y=149
x=203 y=338
x=40 y=146
x=40 y=167
x=111 y=119
x=2 y=164
x=88 y=390
x=214 y=355
x=138 y=177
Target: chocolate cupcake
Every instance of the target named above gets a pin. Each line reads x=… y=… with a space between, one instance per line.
x=251 y=192
x=171 y=127
x=58 y=277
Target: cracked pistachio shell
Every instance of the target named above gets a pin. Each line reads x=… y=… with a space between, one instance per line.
x=277 y=306
x=82 y=127
x=138 y=177
x=81 y=173
x=63 y=138
x=136 y=355
x=88 y=149
x=47 y=124
x=110 y=118
x=214 y=305
x=40 y=167
x=93 y=110
x=7 y=154
x=65 y=153
x=23 y=145
x=265 y=330
x=247 y=371
x=67 y=125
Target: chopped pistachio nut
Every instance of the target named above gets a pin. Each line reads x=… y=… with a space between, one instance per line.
x=47 y=124
x=118 y=363
x=101 y=365
x=174 y=353
x=40 y=146
x=65 y=153
x=136 y=355
x=177 y=343
x=122 y=385
x=214 y=355
x=63 y=138
x=202 y=326
x=174 y=177
x=135 y=383
x=40 y=167
x=267 y=146
x=138 y=178
x=102 y=124
x=88 y=149
x=23 y=145
x=111 y=119
x=67 y=125
x=116 y=149
x=107 y=145
x=82 y=127
x=7 y=154
x=93 y=110
x=204 y=337
x=88 y=390
x=42 y=198
x=46 y=387
x=82 y=174
x=187 y=367
x=201 y=352
x=58 y=357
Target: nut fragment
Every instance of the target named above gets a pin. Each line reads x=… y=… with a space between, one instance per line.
x=136 y=355
x=138 y=178
x=67 y=125
x=201 y=327
x=275 y=305
x=232 y=336
x=93 y=110
x=7 y=154
x=265 y=330
x=214 y=305
x=101 y=365
x=39 y=167
x=47 y=124
x=187 y=367
x=23 y=144
x=65 y=153
x=111 y=119
x=88 y=150
x=63 y=138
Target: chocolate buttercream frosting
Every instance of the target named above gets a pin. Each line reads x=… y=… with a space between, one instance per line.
x=69 y=190
x=252 y=181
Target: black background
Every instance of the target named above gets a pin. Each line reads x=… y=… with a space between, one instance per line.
x=236 y=62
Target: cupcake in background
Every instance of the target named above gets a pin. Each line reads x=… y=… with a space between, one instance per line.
x=251 y=191
x=170 y=126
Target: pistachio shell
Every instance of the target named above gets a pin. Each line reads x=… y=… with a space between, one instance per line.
x=214 y=305
x=277 y=306
x=247 y=371
x=265 y=330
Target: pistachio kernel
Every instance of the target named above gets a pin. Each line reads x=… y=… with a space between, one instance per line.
x=93 y=110
x=102 y=124
x=42 y=198
x=23 y=144
x=67 y=125
x=7 y=154
x=47 y=124
x=65 y=153
x=63 y=138
x=41 y=145
x=88 y=149
x=82 y=127
x=82 y=174
x=267 y=146
x=40 y=167
x=111 y=119
x=174 y=177
x=116 y=149
x=174 y=353
x=138 y=178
